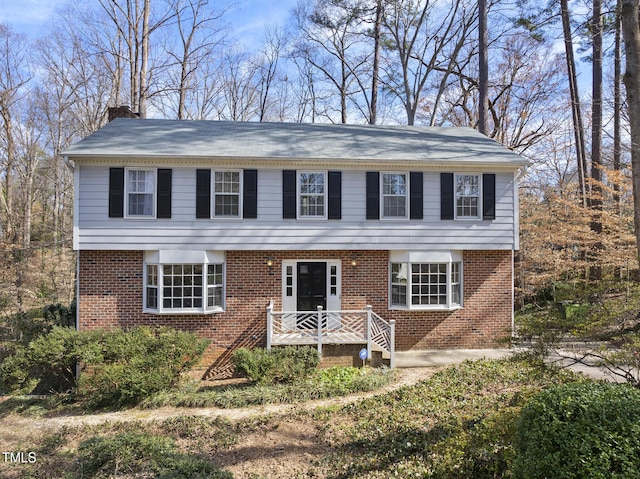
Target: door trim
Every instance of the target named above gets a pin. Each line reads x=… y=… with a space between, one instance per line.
x=290 y=281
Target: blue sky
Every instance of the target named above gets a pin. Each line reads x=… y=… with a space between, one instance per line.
x=248 y=17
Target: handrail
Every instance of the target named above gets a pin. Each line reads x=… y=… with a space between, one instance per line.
x=335 y=327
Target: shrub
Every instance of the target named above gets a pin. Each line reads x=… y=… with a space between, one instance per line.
x=580 y=430
x=118 y=368
x=279 y=365
x=127 y=367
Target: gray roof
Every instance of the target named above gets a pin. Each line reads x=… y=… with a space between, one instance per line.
x=177 y=139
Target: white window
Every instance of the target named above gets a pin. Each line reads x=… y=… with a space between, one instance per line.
x=183 y=287
x=468 y=196
x=394 y=195
x=140 y=192
x=227 y=195
x=415 y=284
x=312 y=195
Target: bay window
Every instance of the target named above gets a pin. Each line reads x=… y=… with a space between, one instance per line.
x=175 y=283
x=425 y=280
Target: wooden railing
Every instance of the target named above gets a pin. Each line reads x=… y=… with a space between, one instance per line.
x=331 y=327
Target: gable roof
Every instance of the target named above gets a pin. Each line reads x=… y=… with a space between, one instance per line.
x=151 y=138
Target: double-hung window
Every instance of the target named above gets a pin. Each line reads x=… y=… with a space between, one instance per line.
x=177 y=287
x=423 y=281
x=140 y=192
x=468 y=196
x=227 y=189
x=394 y=195
x=312 y=194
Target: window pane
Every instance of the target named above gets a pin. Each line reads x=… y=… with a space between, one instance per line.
x=429 y=284
x=394 y=195
x=226 y=193
x=467 y=196
x=311 y=194
x=140 y=191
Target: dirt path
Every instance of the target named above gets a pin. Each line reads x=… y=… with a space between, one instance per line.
x=288 y=446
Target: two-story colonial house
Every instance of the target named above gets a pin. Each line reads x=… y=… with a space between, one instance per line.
x=254 y=234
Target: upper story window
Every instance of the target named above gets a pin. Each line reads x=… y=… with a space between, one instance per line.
x=140 y=194
x=394 y=195
x=468 y=196
x=312 y=194
x=227 y=194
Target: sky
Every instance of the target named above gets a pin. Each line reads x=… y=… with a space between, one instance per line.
x=247 y=17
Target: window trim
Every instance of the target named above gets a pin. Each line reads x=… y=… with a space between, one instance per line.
x=154 y=197
x=325 y=195
x=413 y=258
x=159 y=259
x=479 y=216
x=240 y=195
x=406 y=196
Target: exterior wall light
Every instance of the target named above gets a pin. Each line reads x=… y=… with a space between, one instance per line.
x=270 y=264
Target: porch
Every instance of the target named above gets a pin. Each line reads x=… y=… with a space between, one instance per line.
x=322 y=327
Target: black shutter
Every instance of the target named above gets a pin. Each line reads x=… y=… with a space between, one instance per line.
x=489 y=196
x=373 y=195
x=289 y=194
x=415 y=195
x=334 y=184
x=203 y=194
x=163 y=206
x=250 y=194
x=116 y=192
x=447 y=196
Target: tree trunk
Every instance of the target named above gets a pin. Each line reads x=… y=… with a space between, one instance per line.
x=578 y=128
x=596 y=137
x=483 y=67
x=144 y=61
x=631 y=32
x=375 y=81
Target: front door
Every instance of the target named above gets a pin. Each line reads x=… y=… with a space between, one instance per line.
x=311 y=286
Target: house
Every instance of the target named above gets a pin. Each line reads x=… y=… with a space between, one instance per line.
x=254 y=234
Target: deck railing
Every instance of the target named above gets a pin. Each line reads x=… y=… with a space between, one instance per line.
x=320 y=327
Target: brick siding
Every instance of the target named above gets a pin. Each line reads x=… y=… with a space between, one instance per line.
x=111 y=295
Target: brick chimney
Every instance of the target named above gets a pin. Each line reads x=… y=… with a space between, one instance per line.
x=122 y=111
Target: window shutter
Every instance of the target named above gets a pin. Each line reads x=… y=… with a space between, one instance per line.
x=203 y=194
x=415 y=195
x=447 y=196
x=289 y=194
x=116 y=192
x=163 y=206
x=489 y=196
x=250 y=194
x=334 y=184
x=373 y=195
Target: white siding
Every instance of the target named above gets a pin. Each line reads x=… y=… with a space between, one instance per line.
x=95 y=230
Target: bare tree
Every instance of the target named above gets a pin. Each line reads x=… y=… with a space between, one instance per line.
x=631 y=30
x=333 y=42
x=423 y=38
x=14 y=76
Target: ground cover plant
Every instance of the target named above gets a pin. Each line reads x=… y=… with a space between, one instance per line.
x=321 y=384
x=459 y=423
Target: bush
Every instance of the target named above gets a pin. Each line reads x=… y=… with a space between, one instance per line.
x=127 y=367
x=279 y=365
x=118 y=368
x=580 y=430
